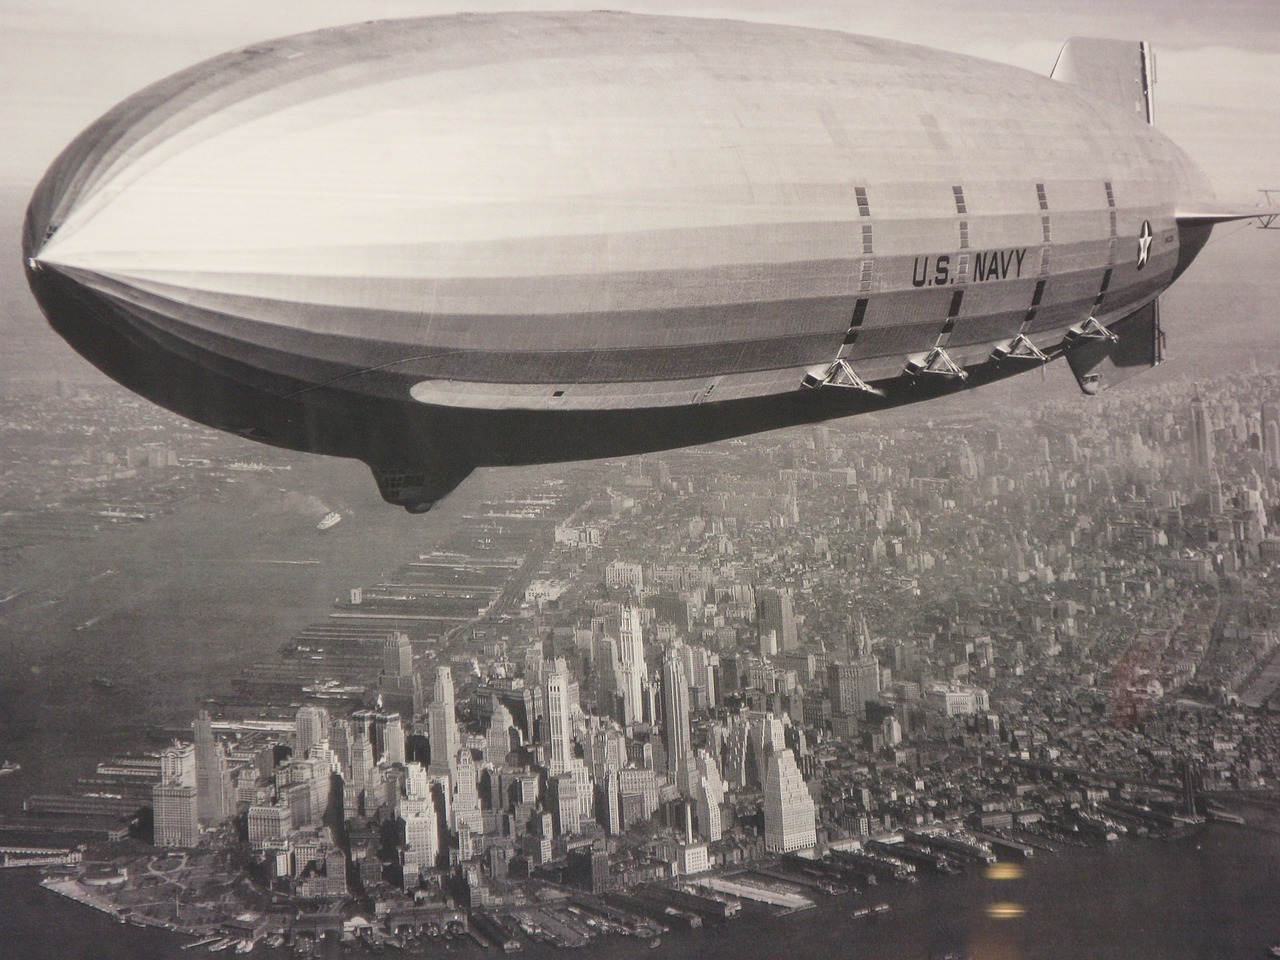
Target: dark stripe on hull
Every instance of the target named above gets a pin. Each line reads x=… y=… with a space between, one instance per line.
x=212 y=387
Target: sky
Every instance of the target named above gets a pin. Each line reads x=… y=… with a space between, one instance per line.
x=62 y=64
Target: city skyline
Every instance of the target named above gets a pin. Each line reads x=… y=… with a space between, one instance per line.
x=1149 y=528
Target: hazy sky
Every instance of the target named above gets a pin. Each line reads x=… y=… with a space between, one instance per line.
x=64 y=63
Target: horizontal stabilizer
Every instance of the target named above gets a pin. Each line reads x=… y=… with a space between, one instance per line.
x=1121 y=72
x=1216 y=213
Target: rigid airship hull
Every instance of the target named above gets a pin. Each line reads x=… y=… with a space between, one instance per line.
x=475 y=240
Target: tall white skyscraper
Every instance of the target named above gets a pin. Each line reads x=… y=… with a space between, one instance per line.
x=311 y=726
x=442 y=726
x=421 y=839
x=790 y=818
x=498 y=739
x=393 y=739
x=676 y=735
x=173 y=799
x=559 y=734
x=178 y=764
x=709 y=795
x=767 y=736
x=631 y=665
x=173 y=805
x=465 y=809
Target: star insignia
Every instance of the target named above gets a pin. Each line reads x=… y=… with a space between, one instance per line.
x=1144 y=244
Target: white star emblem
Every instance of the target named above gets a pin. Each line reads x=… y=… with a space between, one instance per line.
x=1144 y=244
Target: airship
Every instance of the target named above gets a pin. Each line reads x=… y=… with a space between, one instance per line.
x=475 y=240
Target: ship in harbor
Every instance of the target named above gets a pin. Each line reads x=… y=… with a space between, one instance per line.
x=331 y=519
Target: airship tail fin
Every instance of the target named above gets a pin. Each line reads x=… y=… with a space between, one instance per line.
x=1122 y=72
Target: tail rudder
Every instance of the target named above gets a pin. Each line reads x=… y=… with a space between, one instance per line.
x=1120 y=72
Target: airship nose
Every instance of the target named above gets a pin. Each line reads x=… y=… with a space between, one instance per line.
x=70 y=307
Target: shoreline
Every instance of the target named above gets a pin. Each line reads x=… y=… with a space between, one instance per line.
x=1128 y=900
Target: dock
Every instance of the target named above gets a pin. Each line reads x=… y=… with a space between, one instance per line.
x=750 y=891
x=1006 y=848
x=796 y=878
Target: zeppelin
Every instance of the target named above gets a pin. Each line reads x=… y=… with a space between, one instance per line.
x=465 y=241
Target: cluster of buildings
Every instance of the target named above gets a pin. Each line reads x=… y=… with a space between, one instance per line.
x=817 y=641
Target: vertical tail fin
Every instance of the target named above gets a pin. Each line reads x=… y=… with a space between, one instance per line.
x=1121 y=72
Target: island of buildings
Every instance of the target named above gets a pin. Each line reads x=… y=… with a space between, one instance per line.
x=760 y=672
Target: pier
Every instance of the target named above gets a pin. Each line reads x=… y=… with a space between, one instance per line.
x=750 y=891
x=36 y=857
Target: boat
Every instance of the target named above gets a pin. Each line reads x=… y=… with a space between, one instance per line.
x=1274 y=950
x=103 y=683
x=9 y=767
x=331 y=519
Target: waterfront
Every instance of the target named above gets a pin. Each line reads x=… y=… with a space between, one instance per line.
x=1211 y=894
x=175 y=607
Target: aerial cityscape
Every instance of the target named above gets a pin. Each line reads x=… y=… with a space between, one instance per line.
x=653 y=693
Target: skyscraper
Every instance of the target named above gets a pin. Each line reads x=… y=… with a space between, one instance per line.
x=612 y=804
x=178 y=764
x=1201 y=435
x=790 y=820
x=421 y=839
x=559 y=735
x=854 y=684
x=676 y=735
x=465 y=808
x=1270 y=429
x=565 y=803
x=340 y=744
x=397 y=656
x=311 y=726
x=392 y=738
x=361 y=782
x=442 y=726
x=766 y=737
x=777 y=613
x=632 y=667
x=498 y=738
x=608 y=670
x=173 y=805
x=709 y=794
x=214 y=789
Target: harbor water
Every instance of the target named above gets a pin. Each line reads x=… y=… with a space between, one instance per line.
x=1211 y=894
